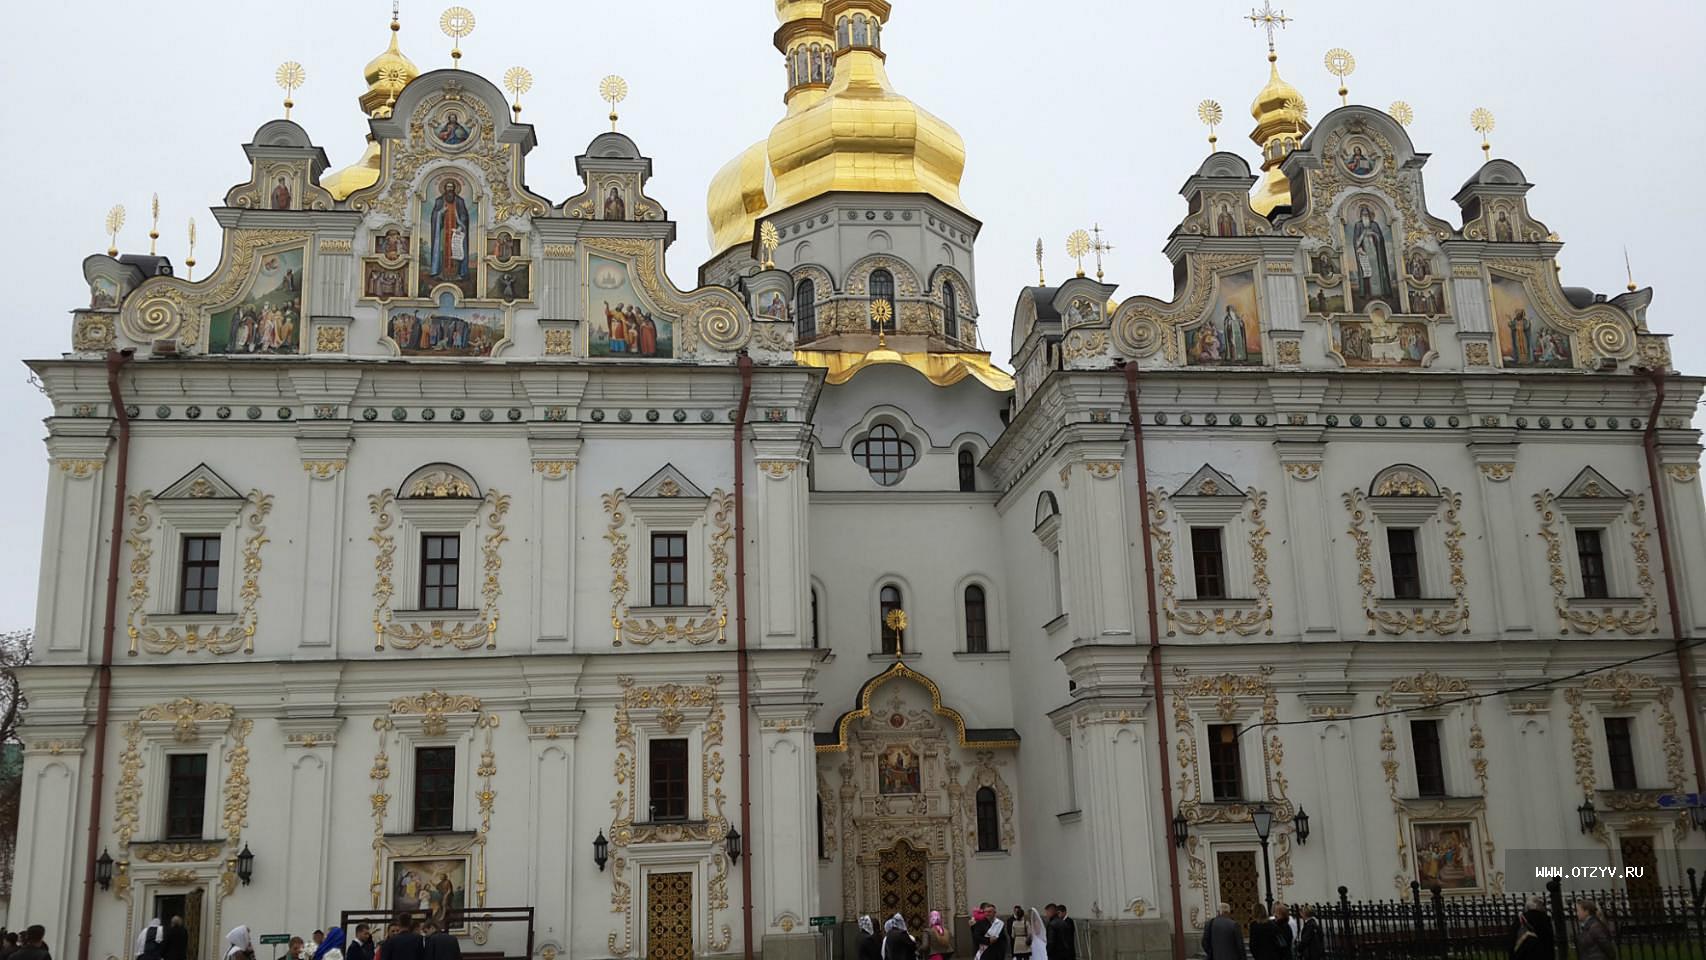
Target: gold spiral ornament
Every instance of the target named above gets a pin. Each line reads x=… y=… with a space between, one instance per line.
x=1481 y=121
x=517 y=80
x=456 y=22
x=155 y=319
x=1611 y=339
x=721 y=329
x=1402 y=112
x=613 y=90
x=290 y=77
x=1137 y=335
x=1211 y=115
x=1341 y=64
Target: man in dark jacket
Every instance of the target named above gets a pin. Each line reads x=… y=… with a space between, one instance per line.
x=440 y=945
x=176 y=944
x=33 y=944
x=1265 y=942
x=1221 y=939
x=994 y=939
x=1062 y=935
x=1310 y=942
x=360 y=946
x=405 y=944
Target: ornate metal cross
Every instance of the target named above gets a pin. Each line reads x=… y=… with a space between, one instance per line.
x=1268 y=19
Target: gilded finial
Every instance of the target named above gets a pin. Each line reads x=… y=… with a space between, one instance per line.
x=1298 y=108
x=769 y=238
x=1041 y=280
x=1100 y=246
x=1210 y=114
x=517 y=80
x=456 y=22
x=1628 y=270
x=1481 y=119
x=1402 y=113
x=115 y=220
x=1341 y=64
x=189 y=259
x=613 y=90
x=290 y=76
x=394 y=77
x=882 y=315
x=896 y=620
x=1270 y=20
x=154 y=228
x=1077 y=245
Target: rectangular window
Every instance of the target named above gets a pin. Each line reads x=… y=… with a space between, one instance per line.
x=1059 y=592
x=1225 y=774
x=1209 y=562
x=1430 y=765
x=1406 y=563
x=669 y=569
x=186 y=795
x=435 y=789
x=200 y=576
x=440 y=570
x=668 y=761
x=1620 y=746
x=821 y=852
x=1590 y=554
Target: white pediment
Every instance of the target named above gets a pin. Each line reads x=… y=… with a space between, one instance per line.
x=667 y=484
x=200 y=483
x=1209 y=482
x=1590 y=484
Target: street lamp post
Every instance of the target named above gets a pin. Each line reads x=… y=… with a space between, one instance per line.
x=1263 y=820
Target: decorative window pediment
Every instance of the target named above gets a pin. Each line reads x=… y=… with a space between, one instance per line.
x=1211 y=499
x=1209 y=482
x=1594 y=511
x=436 y=499
x=668 y=502
x=1590 y=498
x=439 y=481
x=1405 y=498
x=669 y=484
x=202 y=483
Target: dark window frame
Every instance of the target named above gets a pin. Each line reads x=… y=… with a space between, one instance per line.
x=1208 y=562
x=441 y=571
x=434 y=800
x=976 y=603
x=1590 y=559
x=186 y=796
x=889 y=598
x=1225 y=762
x=950 y=311
x=1428 y=752
x=198 y=575
x=885 y=453
x=882 y=288
x=805 y=308
x=817 y=639
x=669 y=569
x=1404 y=556
x=966 y=460
x=1620 y=752
x=988 y=813
x=668 y=791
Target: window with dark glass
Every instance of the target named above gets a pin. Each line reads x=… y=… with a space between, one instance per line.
x=888 y=600
x=440 y=566
x=977 y=620
x=1208 y=561
x=1590 y=555
x=885 y=453
x=805 y=308
x=1620 y=747
x=1225 y=776
x=988 y=820
x=950 y=312
x=821 y=851
x=815 y=641
x=435 y=789
x=669 y=569
x=1406 y=563
x=1430 y=763
x=200 y=575
x=882 y=288
x=186 y=795
x=668 y=763
x=968 y=471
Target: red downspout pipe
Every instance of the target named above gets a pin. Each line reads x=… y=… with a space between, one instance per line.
x=1684 y=661
x=116 y=359
x=1151 y=605
x=744 y=364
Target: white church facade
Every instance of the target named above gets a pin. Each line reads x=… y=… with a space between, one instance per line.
x=434 y=552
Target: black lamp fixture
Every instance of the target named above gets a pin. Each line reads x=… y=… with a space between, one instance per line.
x=245 y=865
x=732 y=842
x=1263 y=820
x=1697 y=813
x=1181 y=830
x=104 y=870
x=1588 y=815
x=1300 y=823
x=601 y=851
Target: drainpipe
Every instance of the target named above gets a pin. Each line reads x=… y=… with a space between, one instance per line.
x=1684 y=663
x=116 y=359
x=1151 y=605
x=744 y=364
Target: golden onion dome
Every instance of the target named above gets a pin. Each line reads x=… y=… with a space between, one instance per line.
x=1279 y=112
x=386 y=75
x=738 y=196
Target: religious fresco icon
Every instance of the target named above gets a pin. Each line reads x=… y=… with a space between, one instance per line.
x=435 y=888
x=384 y=283
x=392 y=243
x=1359 y=158
x=511 y=284
x=268 y=319
x=1231 y=333
x=773 y=305
x=447 y=330
x=451 y=129
x=449 y=216
x=1445 y=855
x=1525 y=340
x=898 y=772
x=1378 y=342
x=1325 y=300
x=1372 y=276
x=629 y=330
x=1428 y=299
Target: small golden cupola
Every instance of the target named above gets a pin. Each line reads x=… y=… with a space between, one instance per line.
x=386 y=76
x=1281 y=116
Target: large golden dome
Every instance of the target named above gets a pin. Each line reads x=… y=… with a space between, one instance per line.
x=739 y=193
x=386 y=75
x=1280 y=112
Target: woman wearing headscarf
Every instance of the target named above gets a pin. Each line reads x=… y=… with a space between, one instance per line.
x=148 y=941
x=897 y=942
x=238 y=944
x=870 y=945
x=331 y=948
x=938 y=942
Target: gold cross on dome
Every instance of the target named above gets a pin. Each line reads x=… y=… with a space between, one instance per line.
x=1268 y=19
x=1100 y=246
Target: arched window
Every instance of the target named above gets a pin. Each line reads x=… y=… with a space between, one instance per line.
x=977 y=621
x=988 y=820
x=882 y=288
x=815 y=642
x=876 y=33
x=821 y=852
x=950 y=312
x=968 y=471
x=817 y=64
x=888 y=601
x=791 y=74
x=841 y=35
x=805 y=308
x=802 y=66
x=885 y=453
x=860 y=38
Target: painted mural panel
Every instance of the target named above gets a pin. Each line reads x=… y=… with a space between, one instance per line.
x=448 y=217
x=269 y=317
x=898 y=772
x=447 y=330
x=1445 y=855
x=1373 y=274
x=628 y=329
x=1378 y=342
x=1232 y=331
x=430 y=887
x=1524 y=339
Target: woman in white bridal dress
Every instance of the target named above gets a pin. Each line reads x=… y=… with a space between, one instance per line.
x=1039 y=934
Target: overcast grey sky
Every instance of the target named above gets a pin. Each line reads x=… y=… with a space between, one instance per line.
x=1073 y=112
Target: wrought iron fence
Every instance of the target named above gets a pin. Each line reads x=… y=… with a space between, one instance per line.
x=1656 y=923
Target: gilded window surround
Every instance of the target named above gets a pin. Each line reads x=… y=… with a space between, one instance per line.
x=438 y=633
x=1440 y=514
x=1620 y=689
x=1580 y=615
x=222 y=633
x=1196 y=617
x=713 y=571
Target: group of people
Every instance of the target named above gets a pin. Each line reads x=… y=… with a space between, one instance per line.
x=1046 y=935
x=1532 y=937
x=31 y=944
x=407 y=939
x=1273 y=936
x=268 y=328
x=631 y=330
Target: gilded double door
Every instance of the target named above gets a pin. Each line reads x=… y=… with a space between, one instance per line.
x=669 y=916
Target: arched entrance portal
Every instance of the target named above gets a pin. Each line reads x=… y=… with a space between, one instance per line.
x=903 y=883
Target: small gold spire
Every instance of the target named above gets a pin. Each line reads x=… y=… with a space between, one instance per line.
x=1100 y=246
x=456 y=22
x=1481 y=120
x=1210 y=114
x=896 y=620
x=154 y=228
x=1041 y=280
x=1402 y=113
x=1341 y=64
x=1628 y=270
x=115 y=220
x=290 y=76
x=613 y=90
x=189 y=259
x=517 y=80
x=769 y=238
x=882 y=315
x=1077 y=245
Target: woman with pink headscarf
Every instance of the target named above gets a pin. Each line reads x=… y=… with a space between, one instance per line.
x=938 y=942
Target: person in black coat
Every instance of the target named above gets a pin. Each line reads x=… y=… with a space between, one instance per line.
x=405 y=944
x=897 y=942
x=1062 y=935
x=360 y=946
x=176 y=943
x=1265 y=942
x=438 y=944
x=1531 y=935
x=1310 y=945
